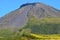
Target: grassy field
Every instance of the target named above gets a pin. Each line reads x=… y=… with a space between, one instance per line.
x=25 y=35
x=44 y=37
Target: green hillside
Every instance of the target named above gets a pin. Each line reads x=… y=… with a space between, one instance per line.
x=44 y=25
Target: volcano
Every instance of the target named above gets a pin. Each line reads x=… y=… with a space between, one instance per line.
x=19 y=17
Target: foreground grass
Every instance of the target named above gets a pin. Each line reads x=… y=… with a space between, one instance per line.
x=44 y=37
x=8 y=35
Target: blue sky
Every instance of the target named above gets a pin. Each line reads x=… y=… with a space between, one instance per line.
x=7 y=6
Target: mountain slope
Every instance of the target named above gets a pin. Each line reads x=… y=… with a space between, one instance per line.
x=19 y=17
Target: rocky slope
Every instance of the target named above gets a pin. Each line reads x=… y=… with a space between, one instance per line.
x=19 y=17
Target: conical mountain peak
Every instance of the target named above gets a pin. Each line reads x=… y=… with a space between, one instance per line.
x=19 y=17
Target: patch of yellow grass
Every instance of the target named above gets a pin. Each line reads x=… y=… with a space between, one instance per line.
x=46 y=37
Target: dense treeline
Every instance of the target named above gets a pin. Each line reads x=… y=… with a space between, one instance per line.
x=44 y=25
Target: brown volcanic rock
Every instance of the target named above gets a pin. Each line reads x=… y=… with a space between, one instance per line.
x=18 y=18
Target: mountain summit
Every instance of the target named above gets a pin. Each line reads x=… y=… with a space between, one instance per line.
x=19 y=17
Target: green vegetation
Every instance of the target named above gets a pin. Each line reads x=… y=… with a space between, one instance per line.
x=44 y=25
x=25 y=34
x=36 y=29
x=6 y=34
